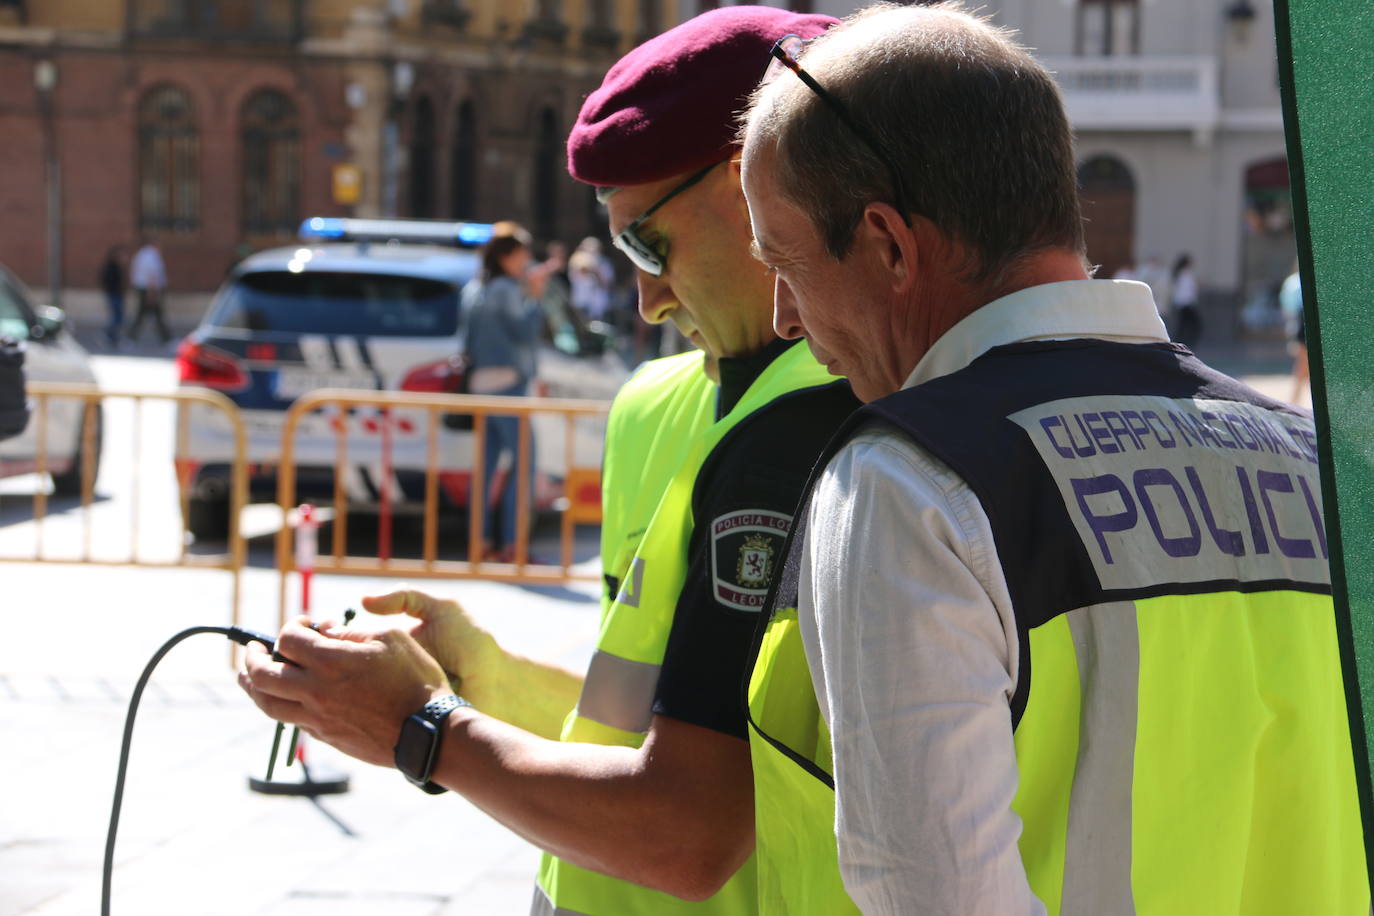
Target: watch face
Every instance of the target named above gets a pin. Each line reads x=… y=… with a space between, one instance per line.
x=415 y=749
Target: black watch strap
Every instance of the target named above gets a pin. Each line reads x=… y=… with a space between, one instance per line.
x=437 y=711
x=418 y=746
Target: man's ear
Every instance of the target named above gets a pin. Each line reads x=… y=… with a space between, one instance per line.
x=890 y=243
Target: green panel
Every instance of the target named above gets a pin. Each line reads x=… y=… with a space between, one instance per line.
x=1326 y=69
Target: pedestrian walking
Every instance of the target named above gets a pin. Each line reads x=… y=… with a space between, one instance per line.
x=148 y=277
x=1183 y=289
x=112 y=285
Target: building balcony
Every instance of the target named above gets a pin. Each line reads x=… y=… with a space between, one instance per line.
x=273 y=21
x=1140 y=93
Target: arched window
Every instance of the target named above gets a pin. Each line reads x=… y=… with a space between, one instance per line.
x=547 y=163
x=271 y=139
x=1107 y=191
x=422 y=159
x=168 y=162
x=463 y=187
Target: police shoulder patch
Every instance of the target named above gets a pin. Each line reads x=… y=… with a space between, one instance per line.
x=746 y=547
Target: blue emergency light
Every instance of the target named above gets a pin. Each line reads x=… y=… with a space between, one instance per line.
x=424 y=231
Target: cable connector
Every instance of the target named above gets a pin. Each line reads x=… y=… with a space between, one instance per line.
x=243 y=636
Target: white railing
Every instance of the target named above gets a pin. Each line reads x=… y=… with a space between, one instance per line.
x=1139 y=93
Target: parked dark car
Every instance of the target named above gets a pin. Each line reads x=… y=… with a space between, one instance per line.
x=14 y=401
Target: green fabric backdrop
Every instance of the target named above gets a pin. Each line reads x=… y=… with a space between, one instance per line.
x=1326 y=72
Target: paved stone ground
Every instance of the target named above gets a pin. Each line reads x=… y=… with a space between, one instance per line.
x=193 y=839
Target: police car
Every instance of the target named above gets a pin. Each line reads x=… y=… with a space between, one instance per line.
x=51 y=355
x=371 y=305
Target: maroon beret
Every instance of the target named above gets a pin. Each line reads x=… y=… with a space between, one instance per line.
x=668 y=107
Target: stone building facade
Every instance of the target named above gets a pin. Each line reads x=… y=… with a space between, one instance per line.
x=216 y=126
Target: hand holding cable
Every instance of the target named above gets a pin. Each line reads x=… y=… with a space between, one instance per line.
x=348 y=688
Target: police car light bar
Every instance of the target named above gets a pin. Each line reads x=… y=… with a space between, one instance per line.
x=434 y=232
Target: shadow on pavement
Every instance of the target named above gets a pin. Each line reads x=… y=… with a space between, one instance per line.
x=16 y=508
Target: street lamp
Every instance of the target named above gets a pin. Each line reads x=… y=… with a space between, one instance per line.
x=45 y=83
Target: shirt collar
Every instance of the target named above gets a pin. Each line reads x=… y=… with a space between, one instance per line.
x=1119 y=310
x=737 y=373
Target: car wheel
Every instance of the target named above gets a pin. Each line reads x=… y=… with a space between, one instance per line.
x=208 y=519
x=69 y=482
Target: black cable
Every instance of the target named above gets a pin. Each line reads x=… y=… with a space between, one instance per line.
x=239 y=635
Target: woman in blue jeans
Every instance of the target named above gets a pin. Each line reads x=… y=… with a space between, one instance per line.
x=503 y=321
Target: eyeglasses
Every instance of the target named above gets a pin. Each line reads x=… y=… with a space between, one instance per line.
x=643 y=255
x=785 y=52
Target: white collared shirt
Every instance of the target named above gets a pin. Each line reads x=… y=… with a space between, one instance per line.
x=911 y=637
x=147 y=270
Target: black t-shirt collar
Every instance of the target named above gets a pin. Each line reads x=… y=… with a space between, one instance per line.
x=737 y=373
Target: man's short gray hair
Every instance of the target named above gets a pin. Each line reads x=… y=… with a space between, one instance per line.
x=974 y=122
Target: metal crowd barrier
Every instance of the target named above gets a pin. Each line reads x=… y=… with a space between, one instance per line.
x=95 y=404
x=383 y=413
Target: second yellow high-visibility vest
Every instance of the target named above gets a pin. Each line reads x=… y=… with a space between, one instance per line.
x=1180 y=727
x=618 y=693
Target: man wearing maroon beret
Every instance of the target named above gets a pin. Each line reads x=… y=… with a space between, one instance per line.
x=634 y=778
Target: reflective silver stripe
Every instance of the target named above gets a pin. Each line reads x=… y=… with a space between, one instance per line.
x=619 y=692
x=543 y=906
x=632 y=586
x=1097 y=853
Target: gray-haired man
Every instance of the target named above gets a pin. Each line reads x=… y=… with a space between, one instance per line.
x=1063 y=589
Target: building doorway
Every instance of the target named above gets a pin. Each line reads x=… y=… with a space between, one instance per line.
x=1107 y=191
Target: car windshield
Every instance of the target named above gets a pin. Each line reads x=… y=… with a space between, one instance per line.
x=378 y=305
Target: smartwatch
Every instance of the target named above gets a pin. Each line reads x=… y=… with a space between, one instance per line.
x=418 y=746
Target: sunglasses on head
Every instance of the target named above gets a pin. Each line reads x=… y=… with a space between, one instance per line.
x=786 y=53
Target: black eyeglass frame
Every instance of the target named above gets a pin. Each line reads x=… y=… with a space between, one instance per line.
x=789 y=60
x=640 y=252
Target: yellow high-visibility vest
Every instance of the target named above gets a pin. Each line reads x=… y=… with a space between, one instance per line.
x=655 y=419
x=618 y=693
x=1180 y=726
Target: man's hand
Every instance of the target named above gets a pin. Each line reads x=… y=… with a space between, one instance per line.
x=468 y=653
x=348 y=688
x=533 y=695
